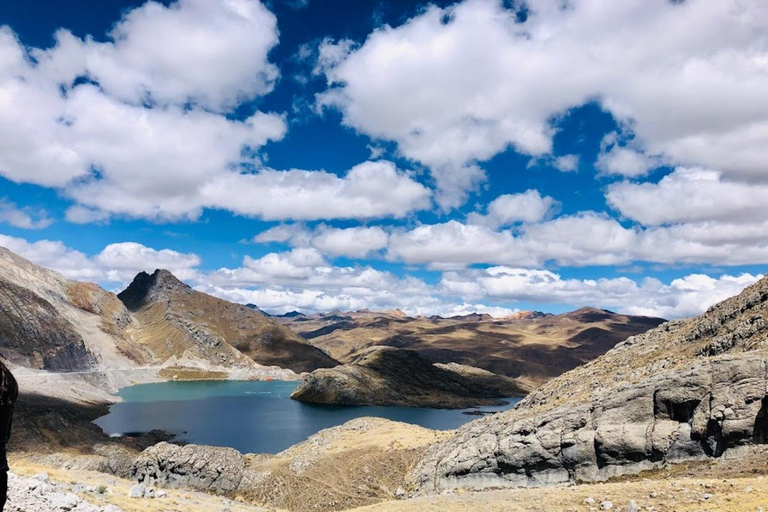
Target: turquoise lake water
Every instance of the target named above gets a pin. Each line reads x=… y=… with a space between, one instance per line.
x=252 y=417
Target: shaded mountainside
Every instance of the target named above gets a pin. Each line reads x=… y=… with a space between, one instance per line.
x=687 y=390
x=389 y=376
x=177 y=321
x=531 y=347
x=49 y=322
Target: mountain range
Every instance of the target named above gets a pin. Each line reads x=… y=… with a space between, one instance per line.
x=531 y=347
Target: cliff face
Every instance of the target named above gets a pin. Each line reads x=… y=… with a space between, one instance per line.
x=686 y=390
x=388 y=376
x=179 y=322
x=49 y=322
x=36 y=335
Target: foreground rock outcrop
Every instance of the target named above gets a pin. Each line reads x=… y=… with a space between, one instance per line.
x=389 y=376
x=361 y=462
x=206 y=468
x=687 y=390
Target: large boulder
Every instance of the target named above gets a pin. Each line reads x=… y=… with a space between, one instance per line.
x=206 y=468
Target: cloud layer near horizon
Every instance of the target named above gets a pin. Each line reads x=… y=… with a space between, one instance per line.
x=302 y=279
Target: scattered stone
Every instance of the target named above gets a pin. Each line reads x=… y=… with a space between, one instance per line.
x=137 y=491
x=606 y=505
x=590 y=500
x=400 y=493
x=38 y=494
x=632 y=507
x=706 y=496
x=41 y=477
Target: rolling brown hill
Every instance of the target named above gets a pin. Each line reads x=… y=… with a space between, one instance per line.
x=179 y=322
x=391 y=376
x=531 y=347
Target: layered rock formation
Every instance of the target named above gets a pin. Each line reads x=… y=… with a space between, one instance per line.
x=48 y=322
x=179 y=322
x=530 y=346
x=389 y=376
x=686 y=390
x=205 y=468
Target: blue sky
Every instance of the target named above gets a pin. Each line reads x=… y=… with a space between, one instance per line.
x=439 y=157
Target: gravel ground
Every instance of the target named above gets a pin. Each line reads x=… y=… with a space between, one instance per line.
x=40 y=494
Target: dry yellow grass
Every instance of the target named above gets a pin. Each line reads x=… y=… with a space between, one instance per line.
x=361 y=462
x=680 y=495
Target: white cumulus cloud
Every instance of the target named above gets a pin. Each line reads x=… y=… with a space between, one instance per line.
x=456 y=86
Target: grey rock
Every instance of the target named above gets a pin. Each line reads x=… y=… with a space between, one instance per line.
x=709 y=396
x=207 y=468
x=137 y=491
x=606 y=505
x=62 y=501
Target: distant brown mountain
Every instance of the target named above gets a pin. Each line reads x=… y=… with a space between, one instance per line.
x=391 y=376
x=532 y=347
x=177 y=321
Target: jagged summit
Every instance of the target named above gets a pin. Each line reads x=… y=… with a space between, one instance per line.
x=179 y=320
x=147 y=288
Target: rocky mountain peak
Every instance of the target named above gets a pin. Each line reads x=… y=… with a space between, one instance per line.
x=146 y=288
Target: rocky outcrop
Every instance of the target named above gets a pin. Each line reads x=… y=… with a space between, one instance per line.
x=388 y=376
x=205 y=468
x=179 y=322
x=687 y=390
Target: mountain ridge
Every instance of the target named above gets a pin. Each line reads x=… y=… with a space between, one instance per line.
x=531 y=347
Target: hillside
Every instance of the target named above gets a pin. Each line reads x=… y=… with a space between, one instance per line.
x=48 y=322
x=529 y=346
x=688 y=390
x=390 y=376
x=177 y=321
x=158 y=328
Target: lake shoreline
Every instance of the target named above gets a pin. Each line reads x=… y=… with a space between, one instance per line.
x=254 y=416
